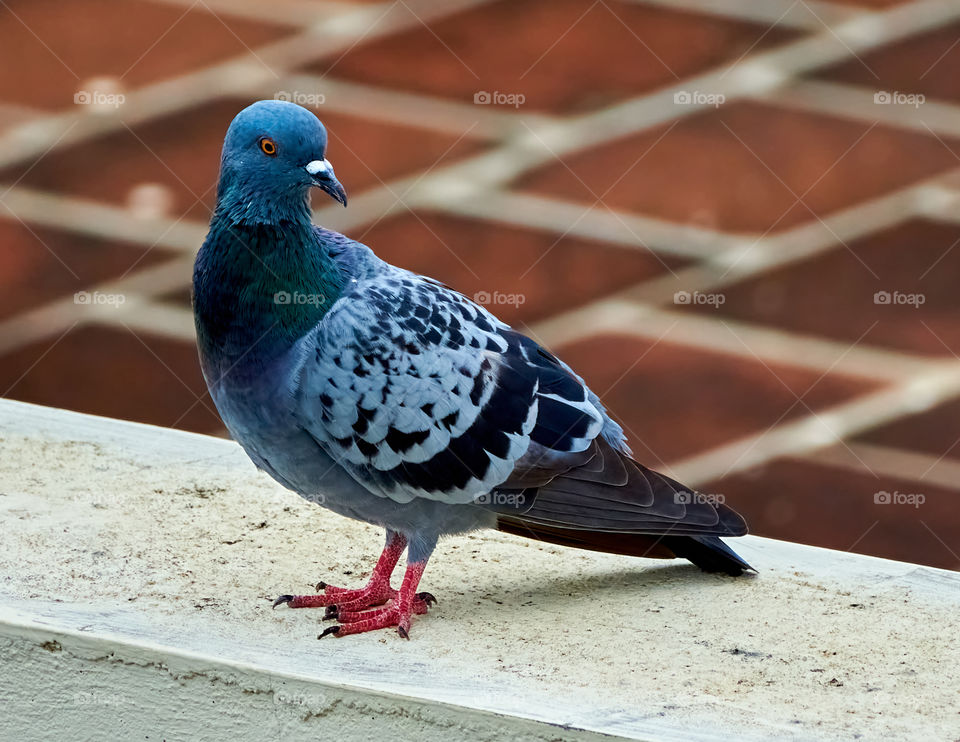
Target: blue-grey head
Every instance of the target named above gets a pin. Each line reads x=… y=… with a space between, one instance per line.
x=274 y=152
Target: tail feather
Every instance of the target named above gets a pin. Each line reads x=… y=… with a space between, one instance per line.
x=613 y=504
x=707 y=552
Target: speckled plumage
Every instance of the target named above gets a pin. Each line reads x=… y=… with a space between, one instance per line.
x=388 y=397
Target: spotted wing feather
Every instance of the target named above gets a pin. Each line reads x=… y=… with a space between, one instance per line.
x=419 y=392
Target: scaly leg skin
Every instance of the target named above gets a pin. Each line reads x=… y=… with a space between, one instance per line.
x=398 y=613
x=347 y=605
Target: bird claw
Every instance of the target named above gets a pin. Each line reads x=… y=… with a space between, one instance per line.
x=355 y=611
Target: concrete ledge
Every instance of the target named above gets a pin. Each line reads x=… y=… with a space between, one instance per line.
x=137 y=565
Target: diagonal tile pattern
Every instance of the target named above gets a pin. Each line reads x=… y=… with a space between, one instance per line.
x=696 y=204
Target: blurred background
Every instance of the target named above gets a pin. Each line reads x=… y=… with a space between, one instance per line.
x=737 y=220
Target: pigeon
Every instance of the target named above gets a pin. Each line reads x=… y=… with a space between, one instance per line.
x=387 y=397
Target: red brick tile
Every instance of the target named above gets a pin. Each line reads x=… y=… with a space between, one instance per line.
x=676 y=401
x=835 y=508
x=562 y=55
x=59 y=46
x=834 y=294
x=181 y=152
x=39 y=265
x=742 y=167
x=521 y=275
x=112 y=373
x=927 y=63
x=935 y=432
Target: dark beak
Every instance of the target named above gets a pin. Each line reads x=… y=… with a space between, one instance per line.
x=321 y=173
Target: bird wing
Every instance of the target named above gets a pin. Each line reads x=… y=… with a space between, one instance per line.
x=418 y=392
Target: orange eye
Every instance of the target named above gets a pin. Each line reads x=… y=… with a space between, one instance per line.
x=268 y=147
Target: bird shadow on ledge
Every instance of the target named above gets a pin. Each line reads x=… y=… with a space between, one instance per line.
x=657 y=580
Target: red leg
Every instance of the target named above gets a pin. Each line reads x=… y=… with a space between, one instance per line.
x=376 y=592
x=398 y=613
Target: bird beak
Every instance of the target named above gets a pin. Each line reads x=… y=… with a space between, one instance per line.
x=321 y=172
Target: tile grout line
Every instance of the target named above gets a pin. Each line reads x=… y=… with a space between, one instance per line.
x=897 y=207
x=822 y=429
x=421 y=110
x=888 y=461
x=857 y=102
x=234 y=76
x=472 y=163
x=52 y=318
x=716 y=335
x=567 y=135
x=802 y=242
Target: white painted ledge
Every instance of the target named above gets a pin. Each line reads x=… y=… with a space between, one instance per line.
x=137 y=565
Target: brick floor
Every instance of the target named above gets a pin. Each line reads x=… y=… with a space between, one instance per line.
x=151 y=379
x=934 y=432
x=926 y=63
x=181 y=153
x=872 y=290
x=59 y=49
x=39 y=265
x=545 y=55
x=675 y=401
x=792 y=167
x=793 y=500
x=521 y=275
x=664 y=178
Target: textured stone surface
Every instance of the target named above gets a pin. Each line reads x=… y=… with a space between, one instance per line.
x=139 y=576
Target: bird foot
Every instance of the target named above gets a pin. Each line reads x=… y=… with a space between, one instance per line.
x=354 y=610
x=358 y=622
x=375 y=606
x=342 y=601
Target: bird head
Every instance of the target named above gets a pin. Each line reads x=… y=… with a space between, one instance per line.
x=274 y=152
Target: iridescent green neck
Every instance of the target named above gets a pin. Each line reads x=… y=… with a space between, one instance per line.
x=260 y=286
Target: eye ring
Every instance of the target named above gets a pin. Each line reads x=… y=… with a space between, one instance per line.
x=268 y=146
